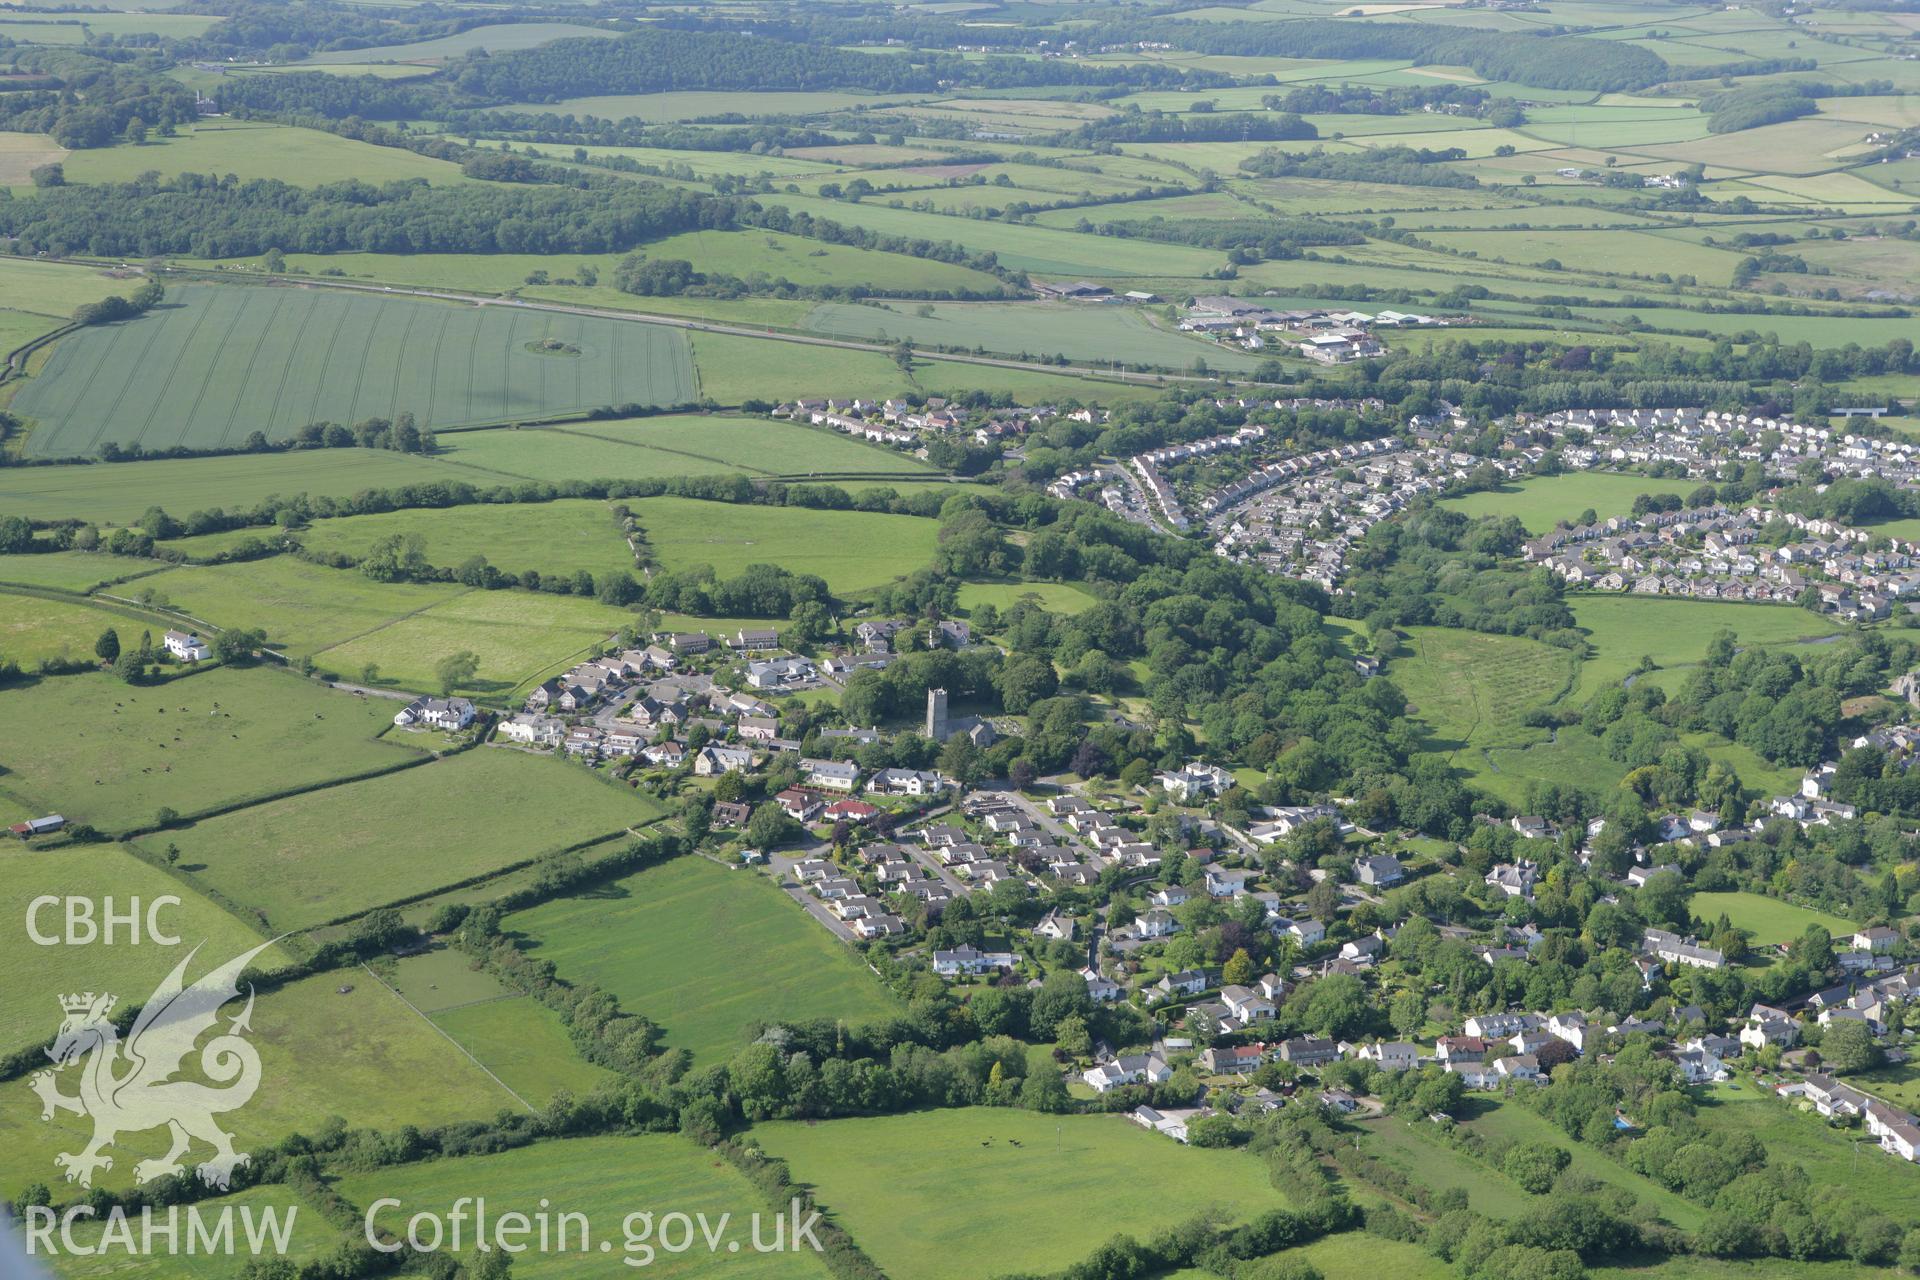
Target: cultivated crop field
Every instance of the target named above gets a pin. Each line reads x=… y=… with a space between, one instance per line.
x=703 y=952
x=302 y=861
x=929 y=1194
x=112 y=755
x=216 y=364
x=853 y=550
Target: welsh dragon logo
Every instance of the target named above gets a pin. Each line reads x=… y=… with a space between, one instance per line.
x=128 y=1087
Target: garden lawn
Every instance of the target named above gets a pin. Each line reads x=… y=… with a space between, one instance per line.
x=606 y=1179
x=1544 y=501
x=935 y=1194
x=358 y=1053
x=335 y=852
x=1624 y=628
x=32 y=975
x=703 y=952
x=853 y=550
x=556 y=538
x=1769 y=920
x=103 y=752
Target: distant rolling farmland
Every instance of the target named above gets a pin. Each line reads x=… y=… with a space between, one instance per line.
x=217 y=363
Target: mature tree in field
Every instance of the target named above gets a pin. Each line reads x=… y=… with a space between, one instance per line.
x=16 y=534
x=1535 y=1165
x=237 y=644
x=456 y=669
x=107 y=647
x=370 y=673
x=1849 y=1046
x=395 y=558
x=131 y=665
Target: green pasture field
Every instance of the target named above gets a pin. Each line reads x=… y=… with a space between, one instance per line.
x=112 y=755
x=1403 y=1143
x=853 y=550
x=1807 y=145
x=302 y=157
x=1821 y=330
x=930 y=1194
x=694 y=104
x=220 y=363
x=517 y=635
x=33 y=628
x=1328 y=196
x=1212 y=204
x=378 y=70
x=18 y=328
x=1054 y=597
x=54 y=289
x=1515 y=1123
x=399 y=835
x=1673 y=632
x=557 y=538
x=120 y=492
x=1753 y=770
x=1078 y=331
x=35 y=974
x=1768 y=919
x=362 y=1056
x=516 y=1037
x=704 y=164
x=754 y=444
x=497 y=38
x=302 y=607
x=704 y=952
x=1846 y=1159
x=1022 y=248
x=1357 y=1255
x=748 y=254
x=72 y=570
x=1646 y=253
x=1473 y=689
x=606 y=1179
x=1544 y=501
x=206 y=546
x=1573 y=758
x=179 y=26
x=311 y=1237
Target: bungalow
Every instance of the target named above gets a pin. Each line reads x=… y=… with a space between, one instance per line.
x=186 y=646
x=1673 y=949
x=1638 y=876
x=668 y=754
x=801 y=806
x=1364 y=950
x=1171 y=1123
x=1339 y=1100
x=1055 y=927
x=850 y=811
x=781 y=673
x=970 y=960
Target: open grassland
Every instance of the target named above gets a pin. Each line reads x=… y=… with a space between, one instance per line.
x=1472 y=689
x=519 y=1039
x=674 y=445
x=33 y=975
x=1404 y=1143
x=1571 y=758
x=929 y=1195
x=250 y=149
x=606 y=1179
x=219 y=363
x=302 y=607
x=1029 y=330
x=1768 y=919
x=703 y=952
x=301 y=861
x=693 y=104
x=21 y=154
x=557 y=538
x=33 y=629
x=1543 y=502
x=517 y=635
x=54 y=289
x=119 y=492
x=1831 y=1157
x=361 y=1055
x=1623 y=629
x=1514 y=1122
x=106 y=753
x=72 y=570
x=494 y=38
x=312 y=1235
x=1054 y=597
x=853 y=550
